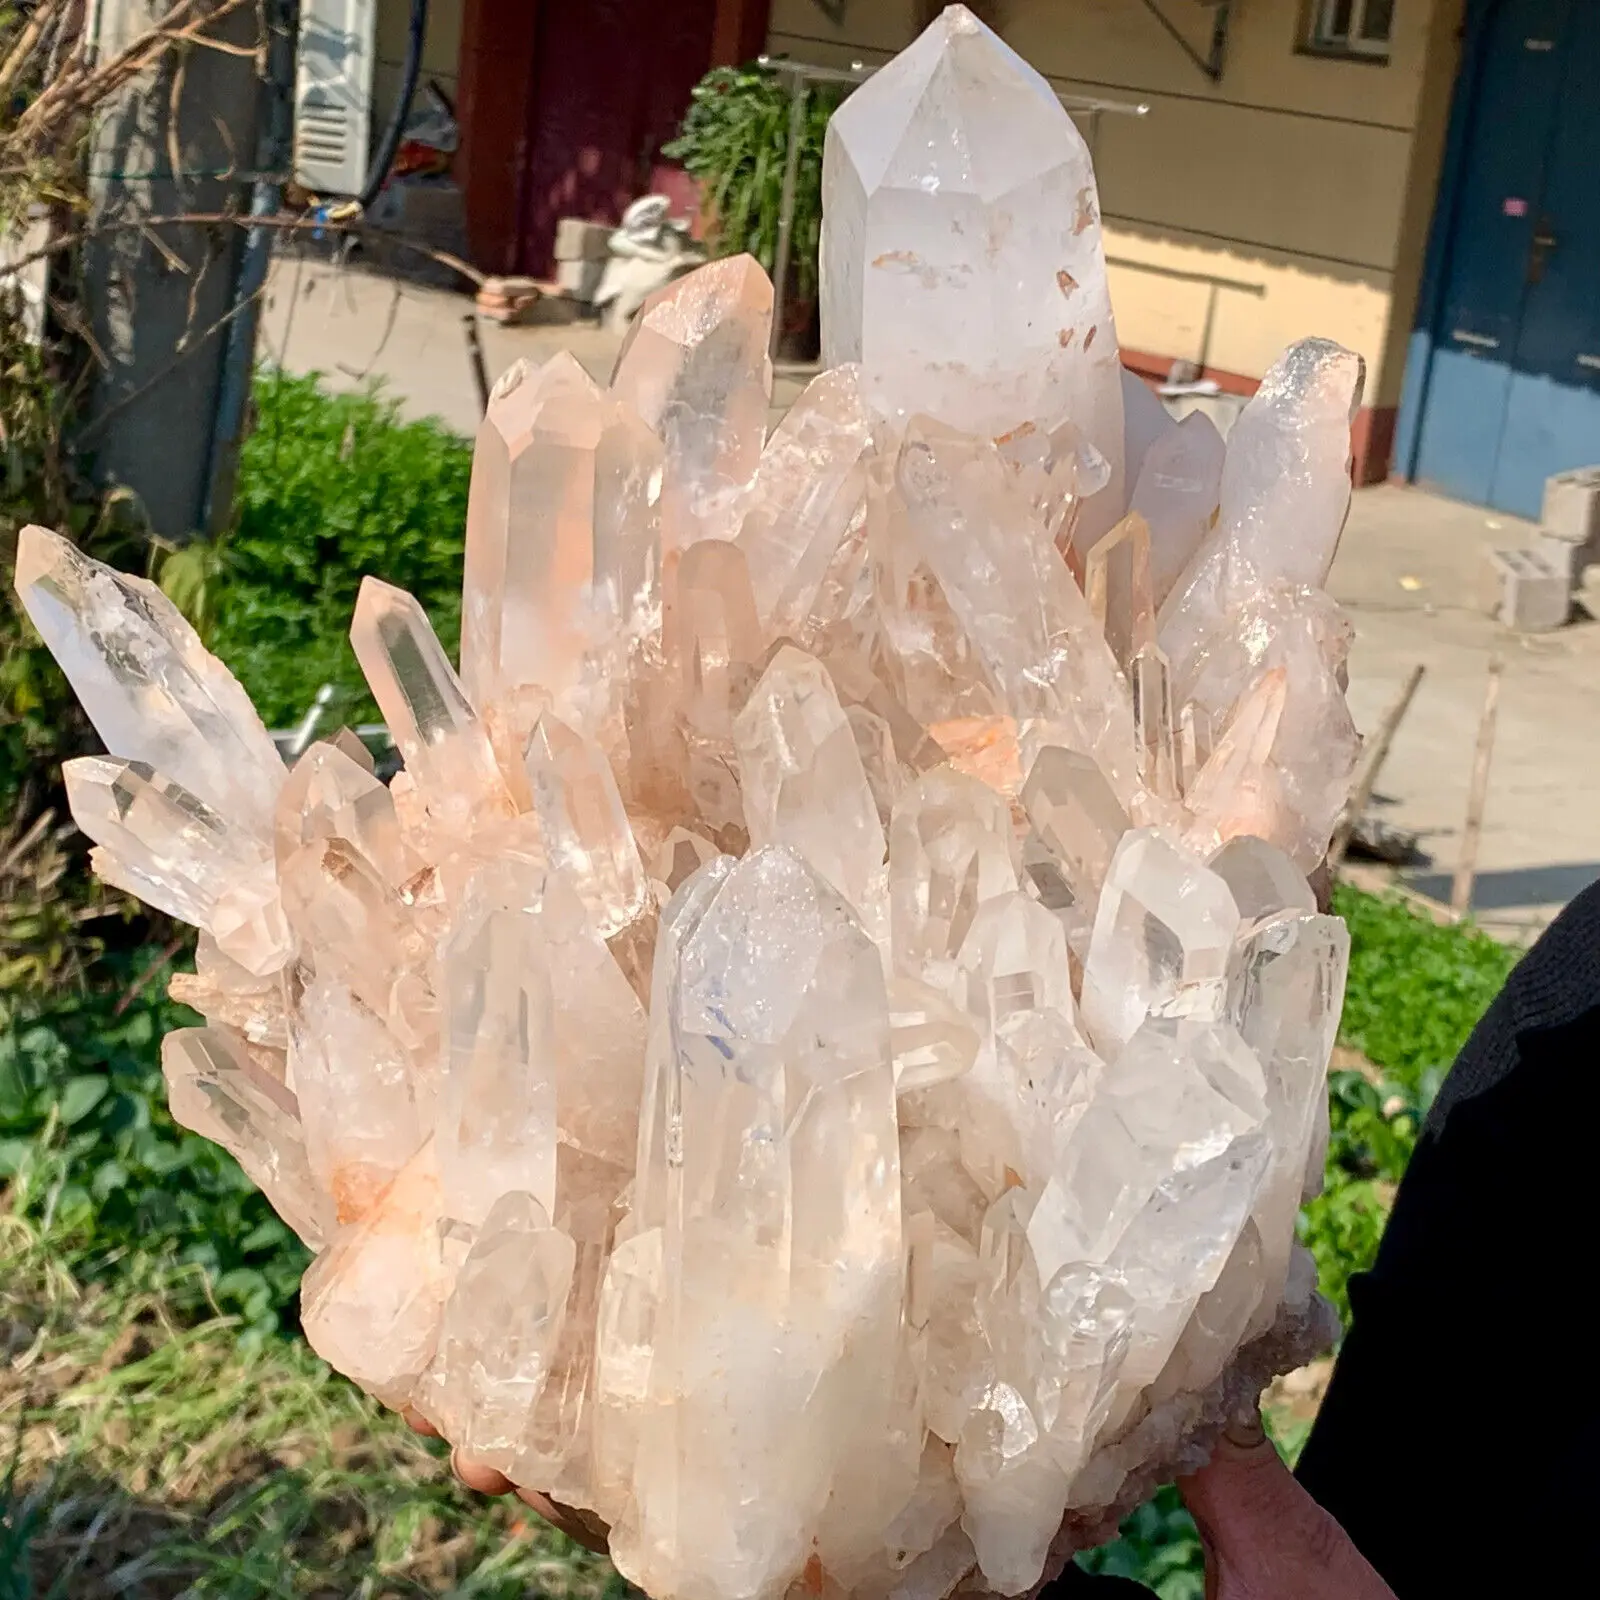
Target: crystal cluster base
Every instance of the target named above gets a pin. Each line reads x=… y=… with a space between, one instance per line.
x=815 y=1059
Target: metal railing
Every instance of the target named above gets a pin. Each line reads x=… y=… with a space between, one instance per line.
x=1215 y=284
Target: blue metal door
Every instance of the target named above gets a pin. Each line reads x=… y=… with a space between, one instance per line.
x=1513 y=388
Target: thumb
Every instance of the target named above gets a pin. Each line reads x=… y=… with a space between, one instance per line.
x=1265 y=1537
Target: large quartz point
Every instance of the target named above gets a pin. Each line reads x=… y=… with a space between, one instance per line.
x=782 y=1237
x=371 y=1304
x=172 y=850
x=1176 y=493
x=695 y=367
x=358 y=1096
x=1040 y=645
x=152 y=692
x=497 y=1133
x=1163 y=934
x=804 y=783
x=561 y=541
x=218 y=1091
x=809 y=488
x=963 y=266
x=446 y=747
x=815 y=1059
x=500 y=1332
x=1283 y=493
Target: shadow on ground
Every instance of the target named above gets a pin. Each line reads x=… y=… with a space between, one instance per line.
x=1513 y=888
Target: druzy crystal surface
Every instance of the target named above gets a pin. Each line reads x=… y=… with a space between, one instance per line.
x=815 y=1059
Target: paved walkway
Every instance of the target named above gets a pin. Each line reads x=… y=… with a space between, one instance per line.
x=1408 y=572
x=354 y=327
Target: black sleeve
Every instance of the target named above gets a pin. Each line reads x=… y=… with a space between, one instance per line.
x=1460 y=1435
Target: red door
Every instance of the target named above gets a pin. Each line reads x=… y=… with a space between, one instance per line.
x=611 y=82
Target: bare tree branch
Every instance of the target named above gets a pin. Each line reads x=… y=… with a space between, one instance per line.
x=355 y=228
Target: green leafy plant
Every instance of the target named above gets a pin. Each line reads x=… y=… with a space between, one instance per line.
x=87 y=1146
x=1416 y=987
x=734 y=142
x=332 y=488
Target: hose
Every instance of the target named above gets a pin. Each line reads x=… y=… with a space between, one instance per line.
x=389 y=144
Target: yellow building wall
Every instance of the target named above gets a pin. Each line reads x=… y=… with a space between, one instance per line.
x=1306 y=181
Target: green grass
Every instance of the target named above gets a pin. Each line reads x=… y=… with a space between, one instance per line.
x=149 y=1456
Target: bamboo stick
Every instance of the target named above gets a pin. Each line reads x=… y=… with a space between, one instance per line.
x=1373 y=757
x=1472 y=832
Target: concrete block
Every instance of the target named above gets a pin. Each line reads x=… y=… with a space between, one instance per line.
x=577 y=240
x=1568 y=559
x=1572 y=507
x=1523 y=590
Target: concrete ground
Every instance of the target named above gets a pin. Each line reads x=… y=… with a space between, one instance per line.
x=1408 y=572
x=355 y=327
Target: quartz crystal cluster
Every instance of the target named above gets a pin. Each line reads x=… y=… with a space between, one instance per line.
x=815 y=1058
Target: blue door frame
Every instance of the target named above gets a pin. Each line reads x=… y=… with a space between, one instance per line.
x=1475 y=389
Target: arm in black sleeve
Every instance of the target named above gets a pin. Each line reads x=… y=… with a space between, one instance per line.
x=1459 y=1441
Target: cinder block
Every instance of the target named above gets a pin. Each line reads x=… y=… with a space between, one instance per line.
x=577 y=240
x=1524 y=591
x=1572 y=506
x=1567 y=559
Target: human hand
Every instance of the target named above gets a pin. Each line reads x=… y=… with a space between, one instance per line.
x=1265 y=1538
x=579 y=1526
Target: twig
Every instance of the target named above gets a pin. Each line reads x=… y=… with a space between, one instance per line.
x=144 y=977
x=95 y=423
x=1372 y=760
x=391 y=317
x=32 y=31
x=180 y=73
x=286 y=224
x=1467 y=864
x=76 y=89
x=193 y=307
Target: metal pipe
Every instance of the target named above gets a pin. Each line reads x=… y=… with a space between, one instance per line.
x=480 y=372
x=798 y=95
x=1179 y=275
x=858 y=72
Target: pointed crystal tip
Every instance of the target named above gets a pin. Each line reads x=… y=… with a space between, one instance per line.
x=38 y=550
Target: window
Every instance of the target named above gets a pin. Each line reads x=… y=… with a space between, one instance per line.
x=1352 y=28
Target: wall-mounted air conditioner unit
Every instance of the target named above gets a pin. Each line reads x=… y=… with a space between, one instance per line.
x=333 y=94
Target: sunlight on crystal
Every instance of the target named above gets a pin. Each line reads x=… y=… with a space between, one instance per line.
x=815 y=1060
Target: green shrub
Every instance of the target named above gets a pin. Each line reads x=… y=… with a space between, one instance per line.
x=87 y=1145
x=1416 y=988
x=734 y=141
x=331 y=488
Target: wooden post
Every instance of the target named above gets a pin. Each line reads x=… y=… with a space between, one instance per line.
x=1372 y=760
x=738 y=31
x=1471 y=833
